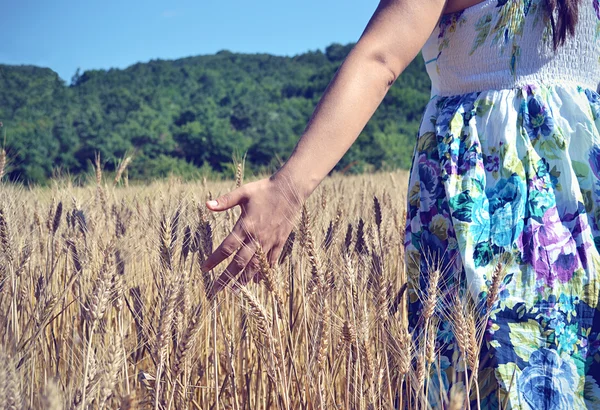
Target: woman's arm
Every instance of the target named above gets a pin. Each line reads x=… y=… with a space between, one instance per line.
x=393 y=37
x=391 y=40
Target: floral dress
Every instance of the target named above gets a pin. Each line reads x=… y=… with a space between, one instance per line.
x=506 y=168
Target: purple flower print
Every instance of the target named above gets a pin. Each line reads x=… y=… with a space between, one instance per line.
x=489 y=331
x=538 y=184
x=492 y=163
x=549 y=247
x=468 y=158
x=577 y=224
x=429 y=176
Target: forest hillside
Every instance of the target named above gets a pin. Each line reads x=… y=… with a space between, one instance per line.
x=190 y=116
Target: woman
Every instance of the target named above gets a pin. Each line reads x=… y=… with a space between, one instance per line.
x=506 y=172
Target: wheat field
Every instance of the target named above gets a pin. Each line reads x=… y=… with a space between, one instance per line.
x=103 y=303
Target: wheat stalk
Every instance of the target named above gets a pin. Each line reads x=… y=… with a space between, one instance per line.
x=5 y=240
x=308 y=244
x=2 y=163
x=98 y=168
x=122 y=167
x=239 y=175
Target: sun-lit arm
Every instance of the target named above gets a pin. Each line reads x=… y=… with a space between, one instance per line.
x=393 y=37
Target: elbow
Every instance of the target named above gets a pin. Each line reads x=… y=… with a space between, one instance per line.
x=391 y=68
x=389 y=64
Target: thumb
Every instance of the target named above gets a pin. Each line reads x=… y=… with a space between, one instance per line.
x=226 y=201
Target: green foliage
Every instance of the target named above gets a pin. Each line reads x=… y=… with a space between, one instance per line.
x=179 y=116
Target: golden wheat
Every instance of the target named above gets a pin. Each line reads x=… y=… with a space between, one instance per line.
x=104 y=304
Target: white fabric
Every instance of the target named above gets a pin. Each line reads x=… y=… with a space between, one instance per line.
x=458 y=72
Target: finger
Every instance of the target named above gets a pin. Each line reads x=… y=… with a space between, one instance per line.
x=229 y=200
x=239 y=262
x=230 y=244
x=249 y=273
x=274 y=254
x=258 y=277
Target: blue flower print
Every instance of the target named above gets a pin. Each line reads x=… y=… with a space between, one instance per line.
x=566 y=304
x=537 y=118
x=449 y=107
x=594 y=100
x=594 y=159
x=480 y=227
x=445 y=333
x=438 y=381
x=568 y=339
x=506 y=209
x=558 y=324
x=548 y=381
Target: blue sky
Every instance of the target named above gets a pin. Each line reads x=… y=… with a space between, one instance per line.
x=93 y=34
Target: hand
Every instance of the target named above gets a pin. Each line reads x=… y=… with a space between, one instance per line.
x=269 y=207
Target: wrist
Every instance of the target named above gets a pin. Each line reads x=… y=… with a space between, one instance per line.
x=299 y=184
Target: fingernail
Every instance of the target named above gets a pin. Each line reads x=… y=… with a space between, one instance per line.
x=213 y=203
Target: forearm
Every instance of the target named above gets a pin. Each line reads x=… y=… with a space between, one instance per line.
x=393 y=37
x=350 y=100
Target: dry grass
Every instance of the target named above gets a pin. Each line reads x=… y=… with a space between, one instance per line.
x=103 y=303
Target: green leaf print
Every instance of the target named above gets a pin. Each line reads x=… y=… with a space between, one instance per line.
x=539 y=203
x=483 y=30
x=590 y=393
x=581 y=170
x=548 y=147
x=521 y=311
x=503 y=27
x=483 y=254
x=462 y=204
x=559 y=139
x=555 y=174
x=427 y=142
x=590 y=291
x=588 y=200
x=526 y=338
x=483 y=106
x=514 y=58
x=509 y=373
x=478 y=186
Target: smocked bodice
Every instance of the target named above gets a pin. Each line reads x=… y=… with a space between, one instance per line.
x=500 y=44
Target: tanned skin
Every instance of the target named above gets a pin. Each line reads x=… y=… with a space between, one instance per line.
x=393 y=37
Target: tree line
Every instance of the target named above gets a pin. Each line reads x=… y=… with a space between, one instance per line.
x=190 y=116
